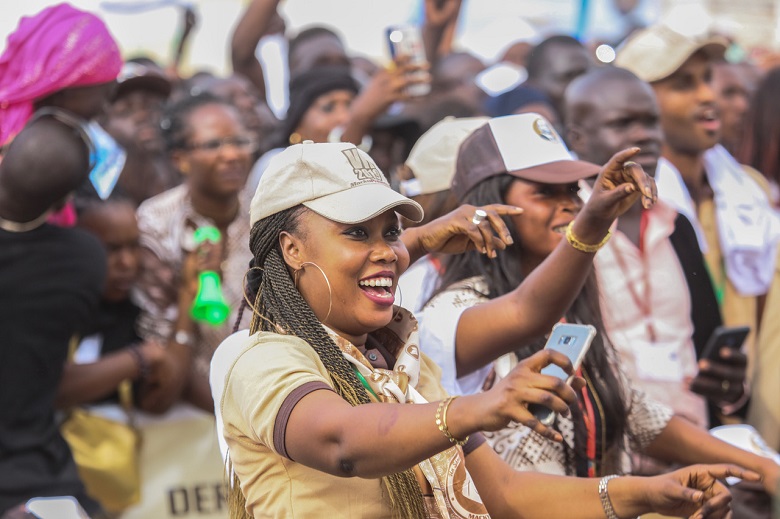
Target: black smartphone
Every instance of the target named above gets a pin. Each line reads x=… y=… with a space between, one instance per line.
x=573 y=340
x=729 y=336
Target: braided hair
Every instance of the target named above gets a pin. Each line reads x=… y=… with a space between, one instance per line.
x=280 y=308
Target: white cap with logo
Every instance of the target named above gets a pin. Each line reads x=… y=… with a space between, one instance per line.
x=432 y=159
x=335 y=180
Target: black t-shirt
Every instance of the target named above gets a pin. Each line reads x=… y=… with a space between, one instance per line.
x=50 y=284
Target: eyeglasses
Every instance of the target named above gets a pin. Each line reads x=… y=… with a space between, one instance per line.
x=240 y=142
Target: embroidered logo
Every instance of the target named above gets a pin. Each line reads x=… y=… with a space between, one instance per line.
x=364 y=168
x=543 y=130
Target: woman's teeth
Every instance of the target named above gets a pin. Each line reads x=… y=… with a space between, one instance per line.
x=376 y=282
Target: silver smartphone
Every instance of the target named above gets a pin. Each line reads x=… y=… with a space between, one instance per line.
x=407 y=40
x=573 y=340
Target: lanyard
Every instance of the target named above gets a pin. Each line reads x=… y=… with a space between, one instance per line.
x=641 y=300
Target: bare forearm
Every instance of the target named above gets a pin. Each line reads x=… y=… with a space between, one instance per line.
x=508 y=493
x=683 y=443
x=497 y=327
x=247 y=35
x=321 y=434
x=85 y=383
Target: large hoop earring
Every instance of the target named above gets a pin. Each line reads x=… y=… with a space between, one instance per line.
x=297 y=272
x=400 y=299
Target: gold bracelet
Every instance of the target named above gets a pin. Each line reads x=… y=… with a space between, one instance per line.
x=584 y=247
x=441 y=421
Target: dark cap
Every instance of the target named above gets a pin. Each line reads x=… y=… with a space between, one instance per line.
x=525 y=146
x=138 y=76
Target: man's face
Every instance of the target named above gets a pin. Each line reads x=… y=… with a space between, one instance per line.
x=564 y=64
x=733 y=89
x=689 y=116
x=623 y=114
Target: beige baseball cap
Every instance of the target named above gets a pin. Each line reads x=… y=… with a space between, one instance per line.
x=432 y=159
x=656 y=52
x=525 y=146
x=335 y=180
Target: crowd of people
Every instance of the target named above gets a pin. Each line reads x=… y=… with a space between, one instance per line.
x=388 y=267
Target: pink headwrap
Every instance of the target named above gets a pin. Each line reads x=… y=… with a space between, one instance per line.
x=58 y=48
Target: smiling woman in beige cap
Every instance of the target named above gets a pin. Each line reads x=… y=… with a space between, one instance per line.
x=311 y=405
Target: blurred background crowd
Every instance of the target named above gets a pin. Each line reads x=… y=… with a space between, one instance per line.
x=176 y=108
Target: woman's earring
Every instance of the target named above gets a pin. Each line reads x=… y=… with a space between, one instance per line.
x=400 y=300
x=295 y=138
x=298 y=271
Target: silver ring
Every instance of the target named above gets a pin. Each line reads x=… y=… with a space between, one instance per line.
x=479 y=215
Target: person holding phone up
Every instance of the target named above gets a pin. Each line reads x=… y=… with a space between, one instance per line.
x=325 y=406
x=493 y=307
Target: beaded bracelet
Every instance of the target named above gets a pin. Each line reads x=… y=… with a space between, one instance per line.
x=441 y=421
x=584 y=247
x=143 y=366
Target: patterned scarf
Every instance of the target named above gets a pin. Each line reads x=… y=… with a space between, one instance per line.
x=454 y=492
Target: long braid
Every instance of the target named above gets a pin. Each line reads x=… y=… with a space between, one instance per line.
x=280 y=308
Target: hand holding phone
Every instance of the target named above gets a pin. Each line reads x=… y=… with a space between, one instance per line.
x=729 y=336
x=573 y=340
x=407 y=41
x=721 y=377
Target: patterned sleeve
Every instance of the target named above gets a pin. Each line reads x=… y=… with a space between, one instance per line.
x=156 y=291
x=647 y=418
x=525 y=450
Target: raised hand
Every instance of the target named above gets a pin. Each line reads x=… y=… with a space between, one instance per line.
x=456 y=232
x=619 y=185
x=441 y=12
x=695 y=491
x=508 y=400
x=721 y=380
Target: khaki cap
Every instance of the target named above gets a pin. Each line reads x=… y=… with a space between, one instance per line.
x=656 y=52
x=335 y=180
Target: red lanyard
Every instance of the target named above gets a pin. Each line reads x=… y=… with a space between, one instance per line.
x=642 y=301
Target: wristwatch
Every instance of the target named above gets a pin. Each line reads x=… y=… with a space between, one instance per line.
x=183 y=338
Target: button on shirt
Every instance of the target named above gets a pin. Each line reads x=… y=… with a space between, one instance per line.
x=644 y=293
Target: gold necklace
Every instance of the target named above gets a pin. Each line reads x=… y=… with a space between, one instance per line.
x=11 y=226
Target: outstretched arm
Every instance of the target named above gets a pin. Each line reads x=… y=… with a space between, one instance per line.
x=682 y=442
x=494 y=328
x=689 y=492
x=250 y=29
x=321 y=434
x=438 y=31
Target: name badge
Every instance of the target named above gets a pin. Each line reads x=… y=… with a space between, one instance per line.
x=659 y=361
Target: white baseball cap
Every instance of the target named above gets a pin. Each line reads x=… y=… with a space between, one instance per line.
x=335 y=180
x=656 y=52
x=525 y=146
x=432 y=159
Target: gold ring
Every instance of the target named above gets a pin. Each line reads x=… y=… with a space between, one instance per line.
x=725 y=386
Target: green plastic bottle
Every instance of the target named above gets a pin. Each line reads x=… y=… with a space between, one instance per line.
x=209 y=305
